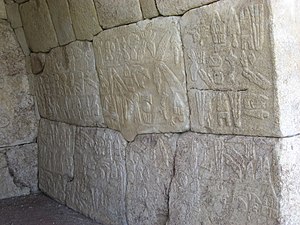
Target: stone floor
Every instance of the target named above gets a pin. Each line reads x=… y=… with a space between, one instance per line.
x=38 y=210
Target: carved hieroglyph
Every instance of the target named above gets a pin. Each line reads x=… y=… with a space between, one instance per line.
x=149 y=162
x=68 y=88
x=177 y=7
x=142 y=77
x=99 y=185
x=56 y=150
x=235 y=180
x=18 y=123
x=228 y=52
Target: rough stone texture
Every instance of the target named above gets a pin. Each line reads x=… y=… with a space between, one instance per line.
x=178 y=7
x=149 y=162
x=18 y=170
x=68 y=88
x=13 y=15
x=99 y=185
x=230 y=69
x=115 y=13
x=84 y=18
x=149 y=8
x=22 y=40
x=60 y=14
x=56 y=150
x=37 y=62
x=142 y=78
x=18 y=122
x=2 y=10
x=235 y=180
x=36 y=20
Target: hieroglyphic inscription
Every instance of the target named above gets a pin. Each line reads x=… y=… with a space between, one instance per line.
x=150 y=161
x=142 y=77
x=230 y=70
x=68 y=88
x=99 y=185
x=225 y=180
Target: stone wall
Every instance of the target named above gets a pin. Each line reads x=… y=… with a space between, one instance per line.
x=18 y=118
x=168 y=112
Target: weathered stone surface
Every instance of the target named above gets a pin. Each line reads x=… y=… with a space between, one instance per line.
x=115 y=13
x=38 y=26
x=22 y=40
x=2 y=10
x=37 y=62
x=56 y=150
x=22 y=162
x=142 y=78
x=60 y=14
x=235 y=180
x=84 y=18
x=149 y=8
x=149 y=162
x=13 y=15
x=230 y=68
x=18 y=123
x=68 y=88
x=178 y=7
x=99 y=185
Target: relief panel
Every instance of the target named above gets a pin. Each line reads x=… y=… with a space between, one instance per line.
x=149 y=162
x=230 y=68
x=99 y=185
x=68 y=88
x=142 y=78
x=225 y=180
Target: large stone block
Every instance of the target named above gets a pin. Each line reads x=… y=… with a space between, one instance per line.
x=149 y=8
x=115 y=13
x=178 y=7
x=142 y=78
x=60 y=14
x=150 y=164
x=56 y=150
x=235 y=180
x=13 y=15
x=84 y=18
x=2 y=10
x=38 y=26
x=68 y=88
x=233 y=82
x=99 y=185
x=18 y=122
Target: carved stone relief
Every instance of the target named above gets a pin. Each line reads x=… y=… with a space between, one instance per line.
x=142 y=78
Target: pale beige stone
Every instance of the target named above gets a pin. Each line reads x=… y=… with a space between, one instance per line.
x=84 y=18
x=38 y=26
x=99 y=185
x=2 y=10
x=56 y=150
x=142 y=78
x=37 y=61
x=178 y=7
x=230 y=69
x=60 y=14
x=13 y=15
x=68 y=88
x=149 y=163
x=18 y=123
x=115 y=13
x=149 y=8
x=22 y=40
x=235 y=180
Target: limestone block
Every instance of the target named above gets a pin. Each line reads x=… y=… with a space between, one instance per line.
x=84 y=18
x=38 y=26
x=142 y=78
x=99 y=185
x=178 y=7
x=115 y=13
x=149 y=8
x=56 y=150
x=18 y=123
x=37 y=62
x=13 y=15
x=235 y=180
x=149 y=162
x=68 y=88
x=232 y=80
x=2 y=10
x=22 y=40
x=60 y=14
